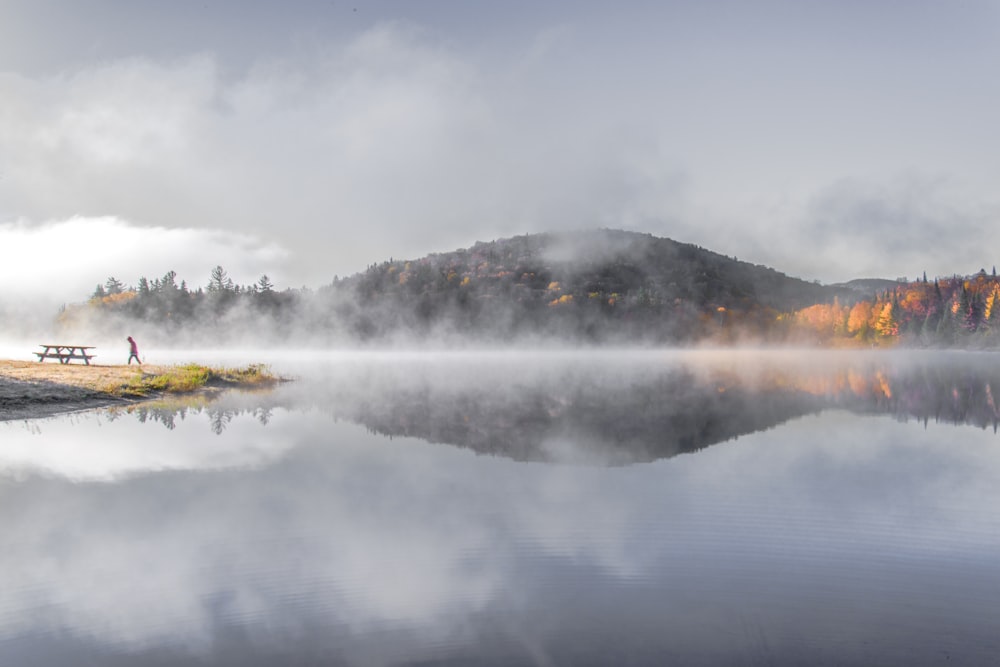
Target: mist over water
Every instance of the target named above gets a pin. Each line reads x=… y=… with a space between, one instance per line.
x=545 y=507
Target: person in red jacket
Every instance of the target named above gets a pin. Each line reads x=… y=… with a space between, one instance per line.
x=133 y=352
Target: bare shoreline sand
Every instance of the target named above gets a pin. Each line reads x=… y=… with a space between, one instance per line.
x=31 y=389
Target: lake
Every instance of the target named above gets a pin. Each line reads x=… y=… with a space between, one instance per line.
x=536 y=508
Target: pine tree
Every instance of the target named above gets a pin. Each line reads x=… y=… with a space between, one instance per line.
x=114 y=286
x=220 y=281
x=168 y=283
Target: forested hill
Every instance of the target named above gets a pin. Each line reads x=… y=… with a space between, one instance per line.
x=607 y=263
x=601 y=284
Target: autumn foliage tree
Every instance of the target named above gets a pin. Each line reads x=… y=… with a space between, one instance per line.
x=947 y=311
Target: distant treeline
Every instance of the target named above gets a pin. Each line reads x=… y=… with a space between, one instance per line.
x=601 y=286
x=163 y=309
x=948 y=312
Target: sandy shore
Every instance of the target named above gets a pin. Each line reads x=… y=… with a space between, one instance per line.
x=29 y=389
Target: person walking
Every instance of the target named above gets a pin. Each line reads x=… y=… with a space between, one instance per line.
x=133 y=352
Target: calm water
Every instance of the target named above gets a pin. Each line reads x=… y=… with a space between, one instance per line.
x=534 y=509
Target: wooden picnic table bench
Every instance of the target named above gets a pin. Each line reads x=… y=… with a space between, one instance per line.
x=66 y=353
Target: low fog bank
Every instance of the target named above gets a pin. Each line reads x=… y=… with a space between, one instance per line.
x=626 y=406
x=28 y=319
x=601 y=407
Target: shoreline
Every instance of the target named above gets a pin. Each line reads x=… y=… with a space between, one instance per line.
x=32 y=389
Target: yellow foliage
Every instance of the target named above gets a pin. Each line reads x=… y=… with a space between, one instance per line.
x=466 y=280
x=991 y=301
x=886 y=324
x=553 y=285
x=113 y=299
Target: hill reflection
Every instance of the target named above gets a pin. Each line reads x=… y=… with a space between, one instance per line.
x=613 y=412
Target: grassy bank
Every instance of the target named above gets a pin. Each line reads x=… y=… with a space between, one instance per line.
x=189 y=378
x=139 y=382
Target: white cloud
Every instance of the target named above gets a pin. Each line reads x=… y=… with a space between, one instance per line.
x=386 y=145
x=64 y=260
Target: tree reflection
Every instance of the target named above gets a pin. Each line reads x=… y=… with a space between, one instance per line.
x=169 y=412
x=617 y=415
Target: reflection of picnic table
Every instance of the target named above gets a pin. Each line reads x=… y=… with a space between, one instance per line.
x=66 y=353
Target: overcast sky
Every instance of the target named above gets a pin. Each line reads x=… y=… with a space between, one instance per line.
x=305 y=139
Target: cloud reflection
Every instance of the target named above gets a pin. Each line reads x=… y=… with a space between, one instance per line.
x=329 y=539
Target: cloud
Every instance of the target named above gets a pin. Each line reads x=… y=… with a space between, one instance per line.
x=384 y=145
x=64 y=260
x=913 y=224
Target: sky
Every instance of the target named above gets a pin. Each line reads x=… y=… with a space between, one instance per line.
x=308 y=139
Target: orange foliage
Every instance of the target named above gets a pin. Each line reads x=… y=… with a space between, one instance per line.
x=564 y=299
x=858 y=319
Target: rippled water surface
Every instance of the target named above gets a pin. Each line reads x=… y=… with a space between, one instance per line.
x=518 y=509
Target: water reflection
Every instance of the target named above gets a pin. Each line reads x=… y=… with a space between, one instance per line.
x=170 y=411
x=613 y=411
x=833 y=538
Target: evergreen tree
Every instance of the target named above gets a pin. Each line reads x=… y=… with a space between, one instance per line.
x=220 y=281
x=168 y=284
x=114 y=286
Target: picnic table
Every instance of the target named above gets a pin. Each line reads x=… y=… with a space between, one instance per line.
x=66 y=353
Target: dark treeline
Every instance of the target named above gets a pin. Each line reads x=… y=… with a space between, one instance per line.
x=165 y=309
x=602 y=287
